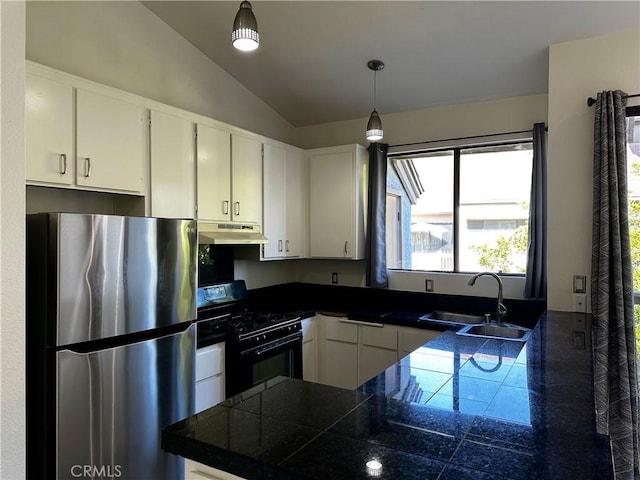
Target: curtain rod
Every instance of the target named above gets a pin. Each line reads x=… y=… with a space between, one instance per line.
x=592 y=101
x=464 y=138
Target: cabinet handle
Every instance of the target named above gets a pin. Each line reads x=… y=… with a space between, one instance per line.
x=346 y=246
x=286 y=246
x=356 y=322
x=236 y=208
x=225 y=207
x=279 y=245
x=62 y=164
x=87 y=167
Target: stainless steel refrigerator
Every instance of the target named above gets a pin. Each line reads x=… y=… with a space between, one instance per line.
x=110 y=343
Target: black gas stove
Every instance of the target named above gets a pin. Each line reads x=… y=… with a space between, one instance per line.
x=259 y=344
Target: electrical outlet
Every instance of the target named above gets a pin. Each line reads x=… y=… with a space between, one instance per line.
x=334 y=278
x=580 y=302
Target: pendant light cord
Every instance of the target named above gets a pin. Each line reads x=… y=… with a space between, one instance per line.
x=375 y=73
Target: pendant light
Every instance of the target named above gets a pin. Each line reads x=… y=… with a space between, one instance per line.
x=374 y=126
x=245 y=35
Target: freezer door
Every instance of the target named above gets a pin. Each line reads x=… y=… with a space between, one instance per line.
x=114 y=403
x=119 y=275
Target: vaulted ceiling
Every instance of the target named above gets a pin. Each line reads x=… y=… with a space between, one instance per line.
x=311 y=65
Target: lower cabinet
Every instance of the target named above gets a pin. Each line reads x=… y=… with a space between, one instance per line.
x=309 y=350
x=351 y=352
x=198 y=471
x=377 y=351
x=209 y=376
x=409 y=339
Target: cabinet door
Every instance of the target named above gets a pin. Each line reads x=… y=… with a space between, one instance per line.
x=49 y=131
x=214 y=174
x=295 y=218
x=410 y=339
x=331 y=208
x=374 y=360
x=209 y=376
x=274 y=201
x=309 y=350
x=309 y=368
x=172 y=166
x=111 y=142
x=246 y=179
x=340 y=364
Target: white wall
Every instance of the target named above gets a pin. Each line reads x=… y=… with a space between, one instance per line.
x=437 y=123
x=125 y=46
x=12 y=242
x=578 y=70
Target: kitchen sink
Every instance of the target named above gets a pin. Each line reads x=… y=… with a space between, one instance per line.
x=452 y=318
x=492 y=330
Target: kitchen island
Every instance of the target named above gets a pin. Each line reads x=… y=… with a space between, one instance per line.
x=456 y=408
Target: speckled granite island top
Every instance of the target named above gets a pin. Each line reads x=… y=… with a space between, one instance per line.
x=457 y=408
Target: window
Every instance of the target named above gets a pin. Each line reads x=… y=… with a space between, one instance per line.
x=462 y=209
x=633 y=187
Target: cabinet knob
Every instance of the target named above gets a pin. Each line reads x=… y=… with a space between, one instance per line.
x=279 y=245
x=286 y=246
x=225 y=207
x=236 y=208
x=346 y=248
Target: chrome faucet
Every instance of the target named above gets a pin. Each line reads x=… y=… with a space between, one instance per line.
x=501 y=310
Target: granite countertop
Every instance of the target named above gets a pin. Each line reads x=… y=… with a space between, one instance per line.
x=456 y=408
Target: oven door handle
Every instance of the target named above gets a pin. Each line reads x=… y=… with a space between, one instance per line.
x=281 y=342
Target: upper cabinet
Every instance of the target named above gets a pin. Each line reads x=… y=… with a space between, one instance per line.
x=172 y=166
x=98 y=143
x=110 y=142
x=213 y=148
x=284 y=203
x=246 y=179
x=337 y=202
x=49 y=131
x=229 y=176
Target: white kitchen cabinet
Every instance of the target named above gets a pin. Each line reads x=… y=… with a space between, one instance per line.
x=229 y=170
x=172 y=166
x=353 y=352
x=209 y=388
x=214 y=174
x=337 y=202
x=284 y=204
x=79 y=135
x=378 y=349
x=246 y=176
x=309 y=350
x=111 y=142
x=340 y=354
x=409 y=339
x=49 y=131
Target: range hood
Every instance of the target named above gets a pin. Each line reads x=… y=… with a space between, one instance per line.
x=230 y=234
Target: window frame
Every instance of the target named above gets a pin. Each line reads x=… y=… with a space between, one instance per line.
x=456 y=150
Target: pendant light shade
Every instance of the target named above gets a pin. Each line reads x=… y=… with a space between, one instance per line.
x=374 y=126
x=245 y=35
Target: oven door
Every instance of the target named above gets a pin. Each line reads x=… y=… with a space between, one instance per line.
x=251 y=366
